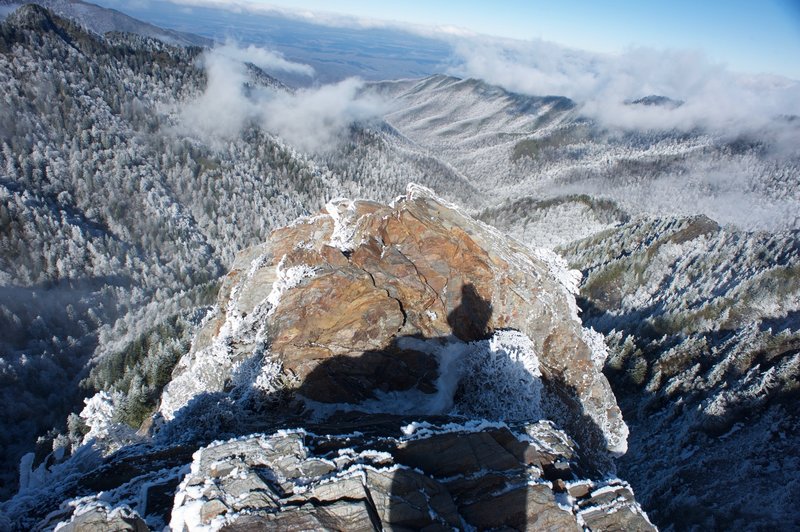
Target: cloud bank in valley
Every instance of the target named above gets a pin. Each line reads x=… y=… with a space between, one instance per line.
x=311 y=120
x=751 y=190
x=714 y=97
x=746 y=190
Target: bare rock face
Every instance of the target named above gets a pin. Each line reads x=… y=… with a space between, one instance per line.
x=490 y=478
x=100 y=519
x=367 y=303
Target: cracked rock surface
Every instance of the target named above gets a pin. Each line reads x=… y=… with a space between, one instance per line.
x=350 y=285
x=489 y=477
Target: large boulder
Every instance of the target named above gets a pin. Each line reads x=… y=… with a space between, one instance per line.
x=376 y=307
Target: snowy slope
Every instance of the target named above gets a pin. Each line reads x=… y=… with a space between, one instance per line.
x=512 y=146
x=703 y=325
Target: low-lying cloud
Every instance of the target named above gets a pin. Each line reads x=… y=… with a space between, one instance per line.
x=311 y=120
x=714 y=97
x=267 y=60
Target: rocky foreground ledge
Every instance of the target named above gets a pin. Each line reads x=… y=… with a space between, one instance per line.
x=437 y=474
x=428 y=476
x=371 y=367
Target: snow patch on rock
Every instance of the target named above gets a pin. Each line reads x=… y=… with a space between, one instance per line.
x=343 y=212
x=569 y=278
x=597 y=343
x=287 y=278
x=207 y=370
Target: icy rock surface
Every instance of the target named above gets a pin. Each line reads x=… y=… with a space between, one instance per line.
x=365 y=281
x=474 y=475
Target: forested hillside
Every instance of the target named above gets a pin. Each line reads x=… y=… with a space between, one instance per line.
x=116 y=220
x=514 y=146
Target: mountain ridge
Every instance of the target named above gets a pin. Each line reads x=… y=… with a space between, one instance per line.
x=101 y=20
x=513 y=146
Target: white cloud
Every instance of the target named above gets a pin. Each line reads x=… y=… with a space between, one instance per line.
x=267 y=60
x=311 y=120
x=223 y=109
x=715 y=98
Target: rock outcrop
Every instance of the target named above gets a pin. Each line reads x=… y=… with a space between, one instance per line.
x=367 y=302
x=475 y=475
x=372 y=367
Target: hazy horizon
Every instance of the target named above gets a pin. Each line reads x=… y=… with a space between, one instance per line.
x=741 y=36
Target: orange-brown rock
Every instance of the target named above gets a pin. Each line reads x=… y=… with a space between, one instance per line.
x=348 y=284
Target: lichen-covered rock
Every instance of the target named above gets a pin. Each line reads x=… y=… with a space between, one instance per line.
x=366 y=301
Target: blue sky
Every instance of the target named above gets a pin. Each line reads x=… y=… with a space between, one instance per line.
x=748 y=36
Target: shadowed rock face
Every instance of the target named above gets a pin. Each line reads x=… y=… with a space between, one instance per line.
x=355 y=280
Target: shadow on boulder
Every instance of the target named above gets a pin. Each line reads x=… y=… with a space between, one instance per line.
x=462 y=472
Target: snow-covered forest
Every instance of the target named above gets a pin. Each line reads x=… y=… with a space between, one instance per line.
x=132 y=172
x=114 y=220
